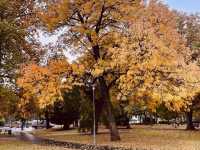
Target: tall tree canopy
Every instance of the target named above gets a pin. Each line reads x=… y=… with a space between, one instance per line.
x=127 y=43
x=90 y=25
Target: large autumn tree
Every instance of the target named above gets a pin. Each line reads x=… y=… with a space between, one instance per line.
x=125 y=43
x=189 y=28
x=90 y=24
x=66 y=112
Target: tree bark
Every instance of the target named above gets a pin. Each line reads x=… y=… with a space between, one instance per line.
x=22 y=124
x=128 y=126
x=47 y=119
x=112 y=123
x=114 y=134
x=76 y=124
x=190 y=125
x=66 y=126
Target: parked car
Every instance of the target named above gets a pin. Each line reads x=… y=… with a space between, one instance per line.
x=38 y=124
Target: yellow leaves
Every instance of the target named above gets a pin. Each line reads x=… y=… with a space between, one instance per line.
x=175 y=103
x=87 y=7
x=78 y=69
x=94 y=37
x=151 y=57
x=55 y=14
x=192 y=73
x=82 y=29
x=44 y=83
x=59 y=66
x=100 y=67
x=97 y=72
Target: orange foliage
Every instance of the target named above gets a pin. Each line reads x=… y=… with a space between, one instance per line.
x=44 y=83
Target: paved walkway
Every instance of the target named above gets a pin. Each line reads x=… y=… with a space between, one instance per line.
x=28 y=137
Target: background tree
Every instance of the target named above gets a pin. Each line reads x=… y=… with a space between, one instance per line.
x=41 y=86
x=66 y=112
x=86 y=115
x=165 y=114
x=14 y=46
x=121 y=115
x=44 y=83
x=9 y=101
x=189 y=28
x=126 y=43
x=88 y=32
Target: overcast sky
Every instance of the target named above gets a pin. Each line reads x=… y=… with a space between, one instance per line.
x=189 y=6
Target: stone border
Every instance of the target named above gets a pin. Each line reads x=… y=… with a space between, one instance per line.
x=73 y=145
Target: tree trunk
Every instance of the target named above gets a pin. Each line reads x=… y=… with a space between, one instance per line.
x=66 y=126
x=109 y=110
x=190 y=125
x=47 y=119
x=104 y=91
x=76 y=124
x=98 y=111
x=128 y=126
x=112 y=123
x=99 y=104
x=22 y=124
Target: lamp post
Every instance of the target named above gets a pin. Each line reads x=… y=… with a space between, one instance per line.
x=91 y=84
x=94 y=116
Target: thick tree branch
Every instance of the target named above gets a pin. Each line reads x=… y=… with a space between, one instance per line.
x=98 y=25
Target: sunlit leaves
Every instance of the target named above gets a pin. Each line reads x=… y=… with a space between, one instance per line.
x=44 y=83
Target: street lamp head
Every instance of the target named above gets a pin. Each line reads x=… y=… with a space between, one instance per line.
x=90 y=81
x=93 y=87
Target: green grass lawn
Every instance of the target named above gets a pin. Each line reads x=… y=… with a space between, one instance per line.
x=150 y=137
x=11 y=143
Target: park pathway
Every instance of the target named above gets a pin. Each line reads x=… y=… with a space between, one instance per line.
x=28 y=137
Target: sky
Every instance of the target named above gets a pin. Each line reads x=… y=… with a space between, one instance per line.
x=189 y=6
